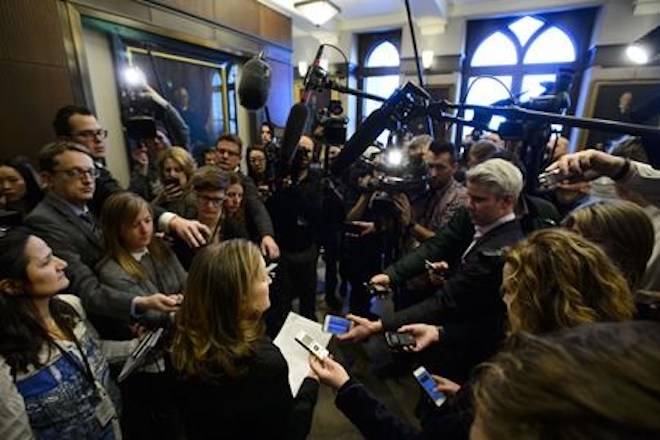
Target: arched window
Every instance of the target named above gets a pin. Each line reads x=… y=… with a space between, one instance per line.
x=217 y=113
x=378 y=73
x=524 y=54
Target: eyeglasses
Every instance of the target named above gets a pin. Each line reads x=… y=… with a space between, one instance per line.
x=215 y=201
x=222 y=151
x=92 y=134
x=77 y=173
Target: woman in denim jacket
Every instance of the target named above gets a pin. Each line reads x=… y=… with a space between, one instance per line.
x=54 y=378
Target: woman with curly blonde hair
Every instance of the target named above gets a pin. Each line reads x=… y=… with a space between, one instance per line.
x=233 y=381
x=557 y=279
x=175 y=170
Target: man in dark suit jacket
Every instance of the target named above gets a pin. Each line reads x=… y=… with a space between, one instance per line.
x=78 y=124
x=230 y=149
x=66 y=223
x=468 y=306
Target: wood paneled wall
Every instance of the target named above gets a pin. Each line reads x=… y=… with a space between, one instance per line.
x=34 y=74
x=248 y=16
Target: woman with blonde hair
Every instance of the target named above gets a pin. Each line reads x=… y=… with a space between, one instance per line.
x=233 y=381
x=175 y=169
x=553 y=280
x=593 y=382
x=140 y=265
x=622 y=229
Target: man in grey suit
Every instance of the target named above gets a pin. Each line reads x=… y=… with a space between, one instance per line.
x=64 y=220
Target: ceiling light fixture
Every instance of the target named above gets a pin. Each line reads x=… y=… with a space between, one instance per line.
x=646 y=48
x=317 y=11
x=427 y=58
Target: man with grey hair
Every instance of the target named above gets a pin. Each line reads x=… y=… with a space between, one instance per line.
x=466 y=314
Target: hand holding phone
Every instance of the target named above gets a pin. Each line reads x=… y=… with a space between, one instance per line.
x=429 y=385
x=336 y=325
x=399 y=340
x=311 y=345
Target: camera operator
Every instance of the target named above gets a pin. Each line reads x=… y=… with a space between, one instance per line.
x=372 y=234
x=430 y=211
x=295 y=209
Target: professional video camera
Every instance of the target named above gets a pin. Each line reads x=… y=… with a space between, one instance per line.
x=333 y=123
x=138 y=109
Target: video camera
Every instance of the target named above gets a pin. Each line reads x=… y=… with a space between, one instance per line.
x=333 y=124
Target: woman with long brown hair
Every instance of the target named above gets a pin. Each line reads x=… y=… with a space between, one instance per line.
x=54 y=378
x=140 y=265
x=233 y=382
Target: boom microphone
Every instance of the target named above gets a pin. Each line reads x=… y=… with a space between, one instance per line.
x=311 y=72
x=255 y=83
x=295 y=125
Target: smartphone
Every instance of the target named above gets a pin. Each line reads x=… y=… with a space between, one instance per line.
x=397 y=341
x=311 y=345
x=428 y=265
x=336 y=324
x=378 y=290
x=170 y=181
x=428 y=383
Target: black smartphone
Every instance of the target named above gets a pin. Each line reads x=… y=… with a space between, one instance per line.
x=399 y=340
x=352 y=229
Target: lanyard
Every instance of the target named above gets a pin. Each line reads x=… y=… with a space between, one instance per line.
x=85 y=369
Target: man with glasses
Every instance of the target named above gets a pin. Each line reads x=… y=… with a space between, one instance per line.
x=79 y=125
x=65 y=221
x=230 y=148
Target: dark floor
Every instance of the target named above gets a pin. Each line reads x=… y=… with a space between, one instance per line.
x=370 y=363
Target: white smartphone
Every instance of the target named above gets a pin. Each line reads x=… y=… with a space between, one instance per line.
x=428 y=383
x=336 y=324
x=311 y=345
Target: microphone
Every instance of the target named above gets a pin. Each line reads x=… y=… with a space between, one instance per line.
x=254 y=86
x=295 y=125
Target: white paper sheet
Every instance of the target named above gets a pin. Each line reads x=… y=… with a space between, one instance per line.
x=296 y=356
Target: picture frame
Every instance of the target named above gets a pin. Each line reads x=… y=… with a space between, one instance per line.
x=617 y=100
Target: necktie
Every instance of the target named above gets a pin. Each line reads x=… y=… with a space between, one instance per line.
x=87 y=218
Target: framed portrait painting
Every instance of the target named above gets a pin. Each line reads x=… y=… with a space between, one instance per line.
x=634 y=101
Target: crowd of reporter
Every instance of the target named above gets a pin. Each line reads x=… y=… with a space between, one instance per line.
x=534 y=312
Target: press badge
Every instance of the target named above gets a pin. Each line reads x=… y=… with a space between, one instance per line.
x=105 y=410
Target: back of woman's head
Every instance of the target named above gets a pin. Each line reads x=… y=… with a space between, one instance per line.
x=597 y=381
x=21 y=334
x=557 y=279
x=622 y=229
x=217 y=326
